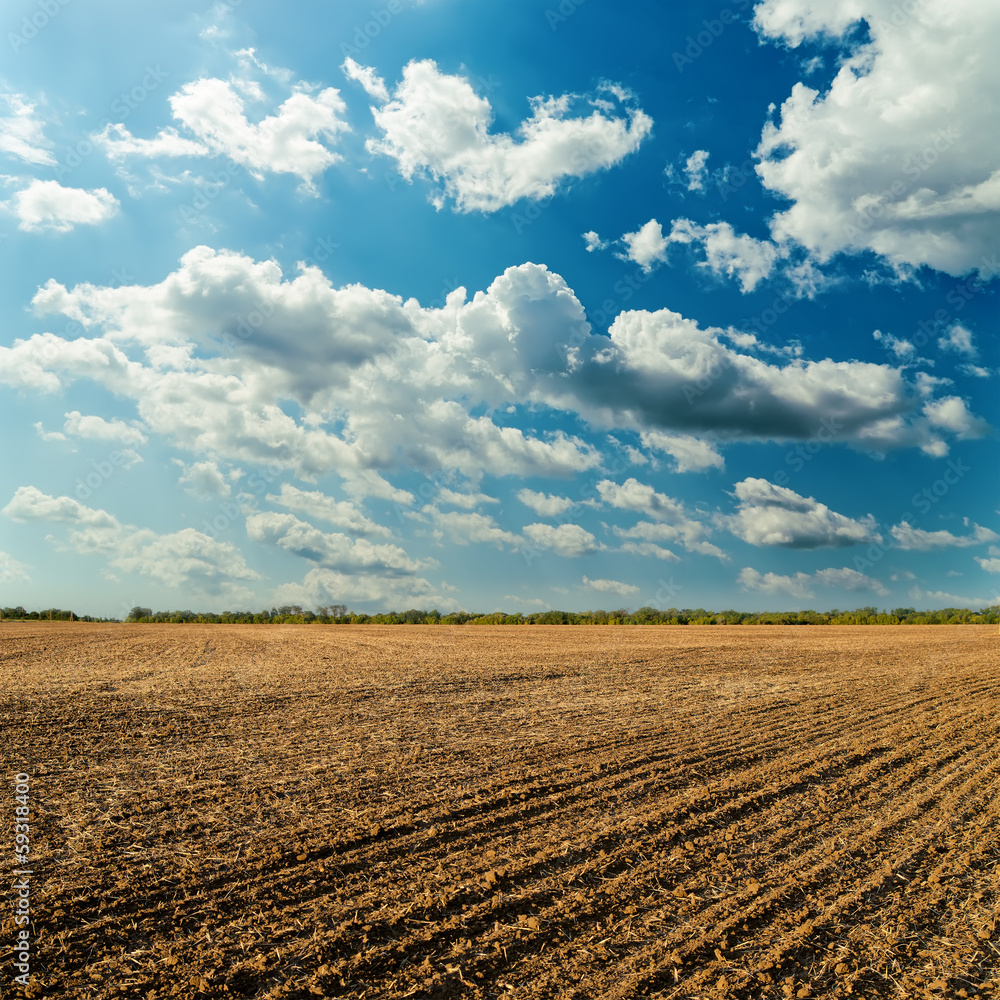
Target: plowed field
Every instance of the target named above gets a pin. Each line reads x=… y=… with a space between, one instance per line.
x=578 y=812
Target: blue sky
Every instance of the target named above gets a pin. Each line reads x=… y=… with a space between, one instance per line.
x=499 y=305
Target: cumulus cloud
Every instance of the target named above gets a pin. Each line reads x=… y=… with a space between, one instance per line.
x=30 y=504
x=908 y=537
x=942 y=599
x=185 y=558
x=214 y=352
x=340 y=513
x=959 y=339
x=674 y=522
x=727 y=252
x=991 y=563
x=772 y=515
x=12 y=571
x=545 y=503
x=462 y=527
x=436 y=125
x=690 y=454
x=332 y=551
x=22 y=135
x=662 y=371
x=296 y=140
x=373 y=84
x=48 y=435
x=899 y=155
x=569 y=540
x=694 y=168
x=321 y=587
x=611 y=587
x=901 y=348
x=98 y=429
x=775 y=583
x=203 y=480
x=646 y=246
x=849 y=579
x=593 y=241
x=800 y=585
x=951 y=413
x=119 y=143
x=47 y=206
x=466 y=500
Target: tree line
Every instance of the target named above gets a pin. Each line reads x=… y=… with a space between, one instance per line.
x=338 y=614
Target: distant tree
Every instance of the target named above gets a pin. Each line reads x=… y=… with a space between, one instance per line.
x=139 y=612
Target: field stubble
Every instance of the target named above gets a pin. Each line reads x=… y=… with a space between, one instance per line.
x=547 y=811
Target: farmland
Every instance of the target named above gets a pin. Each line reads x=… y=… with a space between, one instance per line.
x=488 y=811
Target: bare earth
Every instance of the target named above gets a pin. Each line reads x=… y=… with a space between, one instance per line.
x=500 y=811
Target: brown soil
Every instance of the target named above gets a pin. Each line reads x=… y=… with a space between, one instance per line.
x=578 y=812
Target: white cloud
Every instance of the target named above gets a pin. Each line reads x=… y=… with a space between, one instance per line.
x=908 y=537
x=12 y=571
x=992 y=563
x=691 y=454
x=647 y=549
x=641 y=498
x=287 y=142
x=243 y=366
x=800 y=585
x=204 y=480
x=941 y=599
x=611 y=587
x=676 y=525
x=774 y=583
x=98 y=429
x=22 y=135
x=30 y=504
x=466 y=500
x=593 y=241
x=373 y=84
x=777 y=516
x=849 y=579
x=901 y=348
x=569 y=540
x=694 y=168
x=959 y=339
x=454 y=527
x=437 y=125
x=119 y=143
x=729 y=253
x=545 y=503
x=340 y=513
x=295 y=140
x=185 y=558
x=322 y=587
x=726 y=252
x=899 y=155
x=47 y=206
x=975 y=371
x=646 y=246
x=951 y=413
x=331 y=551
x=48 y=435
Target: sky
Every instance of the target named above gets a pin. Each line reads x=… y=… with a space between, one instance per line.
x=493 y=305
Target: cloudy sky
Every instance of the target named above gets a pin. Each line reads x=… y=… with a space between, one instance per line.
x=499 y=305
